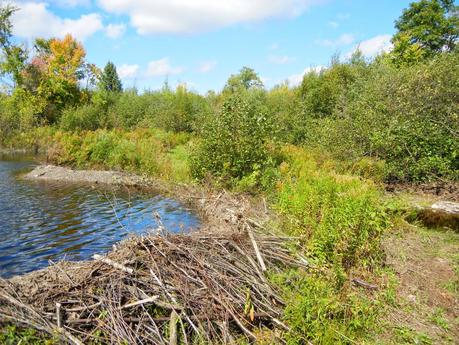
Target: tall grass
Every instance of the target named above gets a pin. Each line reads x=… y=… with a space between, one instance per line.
x=340 y=220
x=145 y=151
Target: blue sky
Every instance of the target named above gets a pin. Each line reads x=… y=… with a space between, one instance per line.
x=202 y=42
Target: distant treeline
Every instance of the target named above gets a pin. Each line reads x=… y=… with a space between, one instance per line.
x=399 y=109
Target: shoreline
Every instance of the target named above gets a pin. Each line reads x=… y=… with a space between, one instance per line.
x=68 y=175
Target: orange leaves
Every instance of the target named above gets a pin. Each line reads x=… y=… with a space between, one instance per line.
x=65 y=59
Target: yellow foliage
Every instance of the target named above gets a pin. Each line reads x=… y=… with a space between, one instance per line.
x=66 y=58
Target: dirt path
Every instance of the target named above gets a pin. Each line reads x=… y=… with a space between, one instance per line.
x=426 y=307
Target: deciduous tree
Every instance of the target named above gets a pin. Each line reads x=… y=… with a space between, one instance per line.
x=425 y=28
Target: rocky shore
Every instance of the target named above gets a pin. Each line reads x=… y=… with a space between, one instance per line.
x=57 y=173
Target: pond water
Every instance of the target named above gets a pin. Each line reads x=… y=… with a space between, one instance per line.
x=43 y=221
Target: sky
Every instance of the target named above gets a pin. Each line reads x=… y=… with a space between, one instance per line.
x=202 y=42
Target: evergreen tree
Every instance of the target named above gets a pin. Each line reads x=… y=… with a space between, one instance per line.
x=109 y=79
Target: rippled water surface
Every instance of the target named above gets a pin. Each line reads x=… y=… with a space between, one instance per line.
x=43 y=221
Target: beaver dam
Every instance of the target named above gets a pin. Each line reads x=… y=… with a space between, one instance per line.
x=164 y=288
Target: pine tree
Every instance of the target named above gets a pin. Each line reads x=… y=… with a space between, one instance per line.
x=109 y=79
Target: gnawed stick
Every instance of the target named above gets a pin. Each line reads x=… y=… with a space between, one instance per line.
x=59 y=315
x=173 y=336
x=257 y=251
x=143 y=301
x=83 y=308
x=113 y=263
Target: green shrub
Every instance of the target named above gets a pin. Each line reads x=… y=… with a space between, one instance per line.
x=127 y=110
x=149 y=151
x=235 y=144
x=84 y=117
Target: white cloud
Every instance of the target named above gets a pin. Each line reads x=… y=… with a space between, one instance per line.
x=333 y=24
x=72 y=3
x=274 y=46
x=207 y=66
x=127 y=71
x=343 y=40
x=162 y=67
x=35 y=20
x=185 y=16
x=296 y=79
x=280 y=60
x=265 y=80
x=115 y=30
x=374 y=46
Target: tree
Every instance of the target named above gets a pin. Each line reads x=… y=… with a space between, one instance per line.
x=425 y=28
x=246 y=79
x=14 y=56
x=109 y=79
x=52 y=77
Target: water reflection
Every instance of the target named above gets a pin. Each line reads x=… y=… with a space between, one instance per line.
x=42 y=221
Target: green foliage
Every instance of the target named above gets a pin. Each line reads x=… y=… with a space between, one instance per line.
x=177 y=111
x=87 y=117
x=340 y=221
x=152 y=152
x=14 y=56
x=338 y=217
x=11 y=335
x=127 y=110
x=235 y=144
x=406 y=117
x=285 y=107
x=325 y=93
x=246 y=79
x=319 y=312
x=109 y=80
x=426 y=28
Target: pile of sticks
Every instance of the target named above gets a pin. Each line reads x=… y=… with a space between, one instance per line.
x=159 y=289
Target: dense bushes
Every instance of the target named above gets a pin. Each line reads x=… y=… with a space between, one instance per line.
x=176 y=111
x=404 y=117
x=237 y=146
x=87 y=116
x=407 y=117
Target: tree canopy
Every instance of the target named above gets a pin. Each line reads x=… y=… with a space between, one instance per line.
x=246 y=79
x=425 y=28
